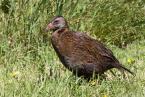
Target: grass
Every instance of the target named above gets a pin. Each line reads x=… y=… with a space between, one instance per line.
x=29 y=66
x=23 y=77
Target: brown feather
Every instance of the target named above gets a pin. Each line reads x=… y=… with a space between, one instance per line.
x=81 y=54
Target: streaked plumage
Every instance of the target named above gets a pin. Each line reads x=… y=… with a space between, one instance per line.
x=80 y=53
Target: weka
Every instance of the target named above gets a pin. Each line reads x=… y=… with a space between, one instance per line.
x=80 y=53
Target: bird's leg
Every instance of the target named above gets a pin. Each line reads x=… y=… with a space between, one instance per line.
x=112 y=72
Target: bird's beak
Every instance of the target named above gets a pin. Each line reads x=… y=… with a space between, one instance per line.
x=49 y=27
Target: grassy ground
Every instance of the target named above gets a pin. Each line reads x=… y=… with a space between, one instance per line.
x=20 y=76
x=29 y=66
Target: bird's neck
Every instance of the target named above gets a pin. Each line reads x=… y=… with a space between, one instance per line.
x=59 y=32
x=62 y=30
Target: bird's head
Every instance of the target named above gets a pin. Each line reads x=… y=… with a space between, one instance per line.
x=57 y=23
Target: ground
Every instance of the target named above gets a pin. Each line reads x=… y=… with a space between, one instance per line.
x=23 y=78
x=29 y=67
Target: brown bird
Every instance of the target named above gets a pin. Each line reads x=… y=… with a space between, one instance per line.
x=80 y=53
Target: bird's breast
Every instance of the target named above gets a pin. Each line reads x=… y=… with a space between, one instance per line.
x=64 y=46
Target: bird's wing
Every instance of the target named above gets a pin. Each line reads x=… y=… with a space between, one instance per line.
x=95 y=48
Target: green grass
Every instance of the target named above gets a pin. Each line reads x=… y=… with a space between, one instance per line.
x=29 y=66
x=21 y=76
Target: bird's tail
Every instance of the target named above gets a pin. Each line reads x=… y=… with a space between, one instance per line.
x=121 y=67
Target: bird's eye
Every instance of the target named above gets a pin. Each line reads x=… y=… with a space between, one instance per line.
x=56 y=21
